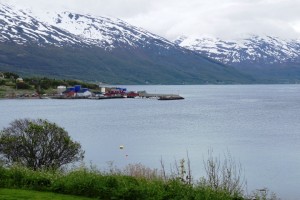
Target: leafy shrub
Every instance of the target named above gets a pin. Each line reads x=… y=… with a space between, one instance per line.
x=20 y=177
x=2 y=82
x=23 y=86
x=38 y=144
x=11 y=75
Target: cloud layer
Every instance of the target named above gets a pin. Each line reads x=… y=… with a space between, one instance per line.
x=172 y=18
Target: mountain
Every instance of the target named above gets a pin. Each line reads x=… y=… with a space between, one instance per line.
x=71 y=45
x=265 y=57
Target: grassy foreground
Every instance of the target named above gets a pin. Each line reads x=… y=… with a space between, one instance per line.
x=95 y=184
x=17 y=194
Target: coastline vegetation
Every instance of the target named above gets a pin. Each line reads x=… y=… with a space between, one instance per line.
x=223 y=181
x=104 y=185
x=10 y=86
x=117 y=184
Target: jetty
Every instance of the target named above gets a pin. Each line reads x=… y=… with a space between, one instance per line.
x=144 y=94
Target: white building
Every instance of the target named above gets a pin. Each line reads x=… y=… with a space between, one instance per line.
x=61 y=89
x=84 y=94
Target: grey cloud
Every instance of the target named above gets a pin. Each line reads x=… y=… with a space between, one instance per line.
x=171 y=18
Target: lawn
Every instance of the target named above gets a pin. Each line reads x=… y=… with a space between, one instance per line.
x=15 y=194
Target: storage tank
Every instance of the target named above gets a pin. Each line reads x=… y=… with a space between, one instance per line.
x=103 y=89
x=61 y=89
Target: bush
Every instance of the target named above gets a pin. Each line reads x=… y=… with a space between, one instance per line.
x=38 y=144
x=2 y=82
x=11 y=75
x=23 y=86
x=20 y=177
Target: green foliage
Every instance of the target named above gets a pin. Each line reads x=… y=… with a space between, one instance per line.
x=225 y=175
x=20 y=177
x=92 y=183
x=10 y=84
x=17 y=194
x=47 y=83
x=120 y=66
x=2 y=82
x=44 y=83
x=38 y=144
x=41 y=85
x=11 y=75
x=23 y=86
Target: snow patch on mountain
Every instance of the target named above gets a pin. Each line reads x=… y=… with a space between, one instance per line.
x=67 y=28
x=22 y=28
x=253 y=49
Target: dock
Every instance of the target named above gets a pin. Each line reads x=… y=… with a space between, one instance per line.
x=144 y=94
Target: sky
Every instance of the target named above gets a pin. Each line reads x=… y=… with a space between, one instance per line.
x=226 y=19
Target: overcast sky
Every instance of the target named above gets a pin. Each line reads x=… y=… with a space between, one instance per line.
x=172 y=18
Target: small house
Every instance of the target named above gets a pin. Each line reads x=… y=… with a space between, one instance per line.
x=84 y=92
x=69 y=93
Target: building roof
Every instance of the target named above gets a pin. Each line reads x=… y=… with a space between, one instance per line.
x=83 y=90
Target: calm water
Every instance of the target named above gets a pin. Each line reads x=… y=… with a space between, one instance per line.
x=258 y=124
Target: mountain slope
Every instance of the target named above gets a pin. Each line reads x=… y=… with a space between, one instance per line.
x=100 y=48
x=21 y=28
x=267 y=58
x=104 y=32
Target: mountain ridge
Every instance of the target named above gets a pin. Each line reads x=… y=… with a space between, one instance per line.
x=265 y=57
x=103 y=49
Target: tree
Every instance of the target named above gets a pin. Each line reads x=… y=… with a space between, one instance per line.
x=38 y=144
x=11 y=75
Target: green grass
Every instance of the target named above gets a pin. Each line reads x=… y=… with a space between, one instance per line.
x=89 y=183
x=15 y=194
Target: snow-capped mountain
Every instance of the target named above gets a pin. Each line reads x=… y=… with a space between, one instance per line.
x=73 y=45
x=20 y=27
x=268 y=59
x=104 y=31
x=254 y=50
x=68 y=28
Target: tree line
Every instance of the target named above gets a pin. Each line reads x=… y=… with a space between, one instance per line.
x=41 y=84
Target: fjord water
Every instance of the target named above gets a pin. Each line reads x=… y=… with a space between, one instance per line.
x=258 y=124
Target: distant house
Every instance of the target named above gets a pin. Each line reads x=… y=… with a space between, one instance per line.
x=1 y=76
x=69 y=93
x=84 y=92
x=76 y=92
